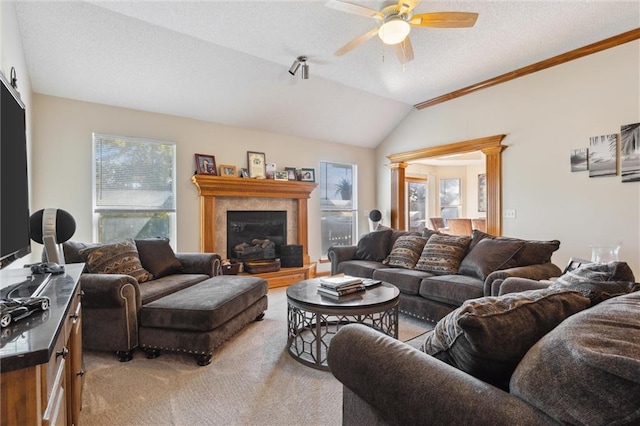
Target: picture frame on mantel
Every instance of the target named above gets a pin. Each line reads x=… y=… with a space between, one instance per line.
x=256 y=165
x=308 y=175
x=227 y=170
x=206 y=164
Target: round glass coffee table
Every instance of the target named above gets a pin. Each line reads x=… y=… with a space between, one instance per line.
x=313 y=318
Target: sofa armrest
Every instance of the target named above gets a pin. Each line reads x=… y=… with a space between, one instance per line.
x=339 y=254
x=102 y=291
x=516 y=285
x=541 y=271
x=201 y=263
x=407 y=386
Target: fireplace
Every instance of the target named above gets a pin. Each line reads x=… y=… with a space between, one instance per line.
x=255 y=234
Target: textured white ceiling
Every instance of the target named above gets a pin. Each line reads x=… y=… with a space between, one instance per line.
x=227 y=62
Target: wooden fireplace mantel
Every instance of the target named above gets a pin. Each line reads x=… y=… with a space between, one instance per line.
x=210 y=187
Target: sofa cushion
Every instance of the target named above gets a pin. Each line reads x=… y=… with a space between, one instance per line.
x=490 y=255
x=407 y=280
x=405 y=252
x=359 y=268
x=442 y=254
x=452 y=289
x=587 y=370
x=487 y=337
x=534 y=252
x=116 y=258
x=374 y=245
x=169 y=284
x=599 y=281
x=157 y=257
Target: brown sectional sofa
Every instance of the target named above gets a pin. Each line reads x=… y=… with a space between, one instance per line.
x=435 y=290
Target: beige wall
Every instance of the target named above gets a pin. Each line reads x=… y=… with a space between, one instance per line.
x=62 y=159
x=545 y=115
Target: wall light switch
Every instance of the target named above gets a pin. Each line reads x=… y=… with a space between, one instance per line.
x=510 y=213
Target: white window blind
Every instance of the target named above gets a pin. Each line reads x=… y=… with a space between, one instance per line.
x=133 y=174
x=134 y=188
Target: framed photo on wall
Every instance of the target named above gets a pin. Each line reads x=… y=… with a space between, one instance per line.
x=256 y=165
x=206 y=164
x=308 y=175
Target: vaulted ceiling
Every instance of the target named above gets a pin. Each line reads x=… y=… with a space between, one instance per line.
x=227 y=62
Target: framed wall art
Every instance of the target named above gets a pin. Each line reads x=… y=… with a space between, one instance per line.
x=227 y=170
x=206 y=164
x=256 y=165
x=308 y=175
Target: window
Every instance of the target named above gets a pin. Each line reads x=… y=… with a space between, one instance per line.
x=418 y=208
x=134 y=188
x=338 y=204
x=450 y=198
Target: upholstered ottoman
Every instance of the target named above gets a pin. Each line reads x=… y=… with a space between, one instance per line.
x=199 y=318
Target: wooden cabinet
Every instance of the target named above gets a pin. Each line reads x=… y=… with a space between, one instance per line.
x=42 y=366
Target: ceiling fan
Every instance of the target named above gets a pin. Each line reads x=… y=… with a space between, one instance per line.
x=395 y=22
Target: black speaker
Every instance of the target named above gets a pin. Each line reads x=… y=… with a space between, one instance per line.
x=291 y=256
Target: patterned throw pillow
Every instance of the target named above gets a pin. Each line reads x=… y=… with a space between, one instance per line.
x=442 y=254
x=599 y=281
x=487 y=337
x=117 y=258
x=406 y=251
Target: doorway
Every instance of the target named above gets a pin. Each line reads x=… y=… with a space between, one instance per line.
x=490 y=146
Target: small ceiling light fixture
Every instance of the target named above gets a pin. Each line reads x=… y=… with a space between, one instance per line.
x=300 y=60
x=394 y=29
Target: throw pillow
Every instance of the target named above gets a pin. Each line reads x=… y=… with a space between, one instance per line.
x=534 y=252
x=406 y=252
x=599 y=281
x=374 y=245
x=157 y=257
x=442 y=254
x=490 y=255
x=487 y=337
x=117 y=258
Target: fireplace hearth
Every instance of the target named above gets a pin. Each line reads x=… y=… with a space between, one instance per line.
x=255 y=234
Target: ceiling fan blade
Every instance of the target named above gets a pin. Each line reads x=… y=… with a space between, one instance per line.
x=404 y=51
x=355 y=9
x=406 y=6
x=444 y=19
x=356 y=42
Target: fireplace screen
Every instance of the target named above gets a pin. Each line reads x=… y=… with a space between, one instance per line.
x=255 y=235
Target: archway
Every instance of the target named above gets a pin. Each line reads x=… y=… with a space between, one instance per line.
x=492 y=148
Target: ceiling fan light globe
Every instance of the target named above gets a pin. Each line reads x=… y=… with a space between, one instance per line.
x=394 y=31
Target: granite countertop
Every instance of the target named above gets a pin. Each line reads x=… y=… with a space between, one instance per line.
x=30 y=341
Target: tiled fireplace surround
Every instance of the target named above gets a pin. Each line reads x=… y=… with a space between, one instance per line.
x=224 y=204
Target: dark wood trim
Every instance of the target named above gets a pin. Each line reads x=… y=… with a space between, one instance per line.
x=538 y=66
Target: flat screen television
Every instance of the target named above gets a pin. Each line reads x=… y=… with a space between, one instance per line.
x=14 y=185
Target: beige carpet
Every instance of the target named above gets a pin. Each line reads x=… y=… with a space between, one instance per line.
x=252 y=380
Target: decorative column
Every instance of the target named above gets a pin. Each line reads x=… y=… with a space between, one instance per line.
x=398 y=195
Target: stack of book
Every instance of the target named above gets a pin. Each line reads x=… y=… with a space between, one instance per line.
x=340 y=286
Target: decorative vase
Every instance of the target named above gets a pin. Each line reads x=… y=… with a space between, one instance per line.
x=604 y=254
